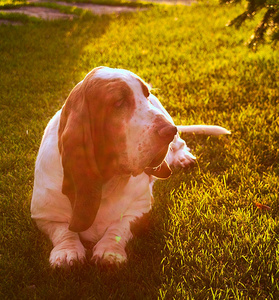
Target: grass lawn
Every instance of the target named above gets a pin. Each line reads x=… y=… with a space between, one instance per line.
x=208 y=240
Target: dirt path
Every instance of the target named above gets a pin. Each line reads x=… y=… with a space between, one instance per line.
x=39 y=12
x=53 y=14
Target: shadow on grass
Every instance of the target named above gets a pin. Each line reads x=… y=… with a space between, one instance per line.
x=41 y=64
x=27 y=274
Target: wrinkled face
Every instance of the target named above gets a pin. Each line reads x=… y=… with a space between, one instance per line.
x=136 y=134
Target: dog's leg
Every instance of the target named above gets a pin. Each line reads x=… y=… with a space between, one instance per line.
x=110 y=250
x=179 y=155
x=67 y=245
x=135 y=199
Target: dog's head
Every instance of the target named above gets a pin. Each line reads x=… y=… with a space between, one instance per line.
x=109 y=127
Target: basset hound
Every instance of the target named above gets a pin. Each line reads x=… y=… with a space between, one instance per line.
x=98 y=160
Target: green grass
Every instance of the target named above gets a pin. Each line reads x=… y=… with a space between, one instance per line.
x=208 y=239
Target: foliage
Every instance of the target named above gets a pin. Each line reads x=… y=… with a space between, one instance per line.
x=209 y=240
x=269 y=21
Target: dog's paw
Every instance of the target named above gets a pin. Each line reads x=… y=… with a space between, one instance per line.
x=179 y=155
x=107 y=256
x=109 y=259
x=183 y=159
x=64 y=258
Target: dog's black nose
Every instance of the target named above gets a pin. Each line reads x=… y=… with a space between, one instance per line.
x=167 y=132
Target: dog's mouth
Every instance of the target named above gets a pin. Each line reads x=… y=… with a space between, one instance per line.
x=158 y=166
x=159 y=158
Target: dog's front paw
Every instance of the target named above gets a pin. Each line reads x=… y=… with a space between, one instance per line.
x=66 y=257
x=108 y=256
x=108 y=259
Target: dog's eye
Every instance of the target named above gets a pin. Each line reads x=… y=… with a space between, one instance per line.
x=119 y=103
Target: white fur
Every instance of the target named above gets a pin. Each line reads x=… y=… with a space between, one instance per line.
x=203 y=129
x=124 y=198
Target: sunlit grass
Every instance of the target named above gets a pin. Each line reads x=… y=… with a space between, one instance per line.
x=208 y=239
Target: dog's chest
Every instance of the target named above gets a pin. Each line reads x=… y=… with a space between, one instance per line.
x=122 y=197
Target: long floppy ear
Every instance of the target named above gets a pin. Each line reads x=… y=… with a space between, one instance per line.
x=82 y=182
x=162 y=172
